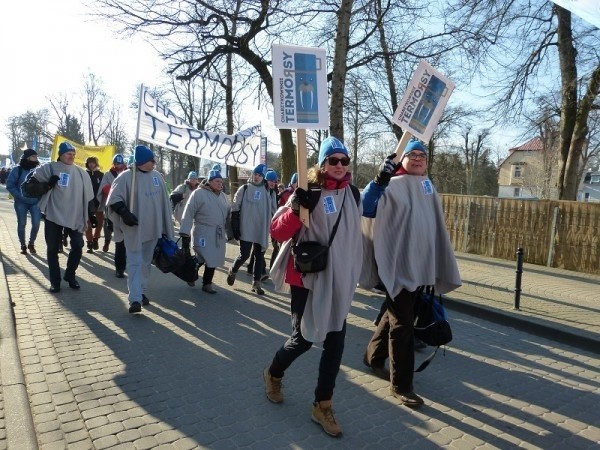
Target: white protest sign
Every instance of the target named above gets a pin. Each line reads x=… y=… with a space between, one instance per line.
x=424 y=101
x=300 y=98
x=588 y=10
x=158 y=125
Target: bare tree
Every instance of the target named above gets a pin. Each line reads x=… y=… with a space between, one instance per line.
x=95 y=106
x=26 y=129
x=522 y=41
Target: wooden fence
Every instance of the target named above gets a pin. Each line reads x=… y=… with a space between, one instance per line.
x=559 y=234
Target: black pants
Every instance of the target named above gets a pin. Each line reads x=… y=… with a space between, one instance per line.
x=207 y=278
x=296 y=345
x=259 y=264
x=394 y=338
x=120 y=256
x=53 y=233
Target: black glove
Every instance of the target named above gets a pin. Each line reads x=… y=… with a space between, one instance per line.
x=306 y=199
x=127 y=216
x=235 y=225
x=93 y=220
x=53 y=180
x=386 y=170
x=185 y=243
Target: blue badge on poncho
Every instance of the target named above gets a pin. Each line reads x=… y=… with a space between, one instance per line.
x=427 y=187
x=329 y=205
x=63 y=179
x=155 y=181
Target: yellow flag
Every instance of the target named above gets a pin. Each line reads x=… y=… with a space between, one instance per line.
x=104 y=153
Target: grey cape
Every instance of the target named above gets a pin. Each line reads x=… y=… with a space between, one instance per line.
x=407 y=244
x=66 y=204
x=207 y=213
x=151 y=206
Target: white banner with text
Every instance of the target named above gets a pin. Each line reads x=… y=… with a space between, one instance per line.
x=160 y=126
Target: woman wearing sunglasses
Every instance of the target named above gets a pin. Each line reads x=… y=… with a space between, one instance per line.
x=320 y=301
x=406 y=246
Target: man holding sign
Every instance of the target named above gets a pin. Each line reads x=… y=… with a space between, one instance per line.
x=405 y=240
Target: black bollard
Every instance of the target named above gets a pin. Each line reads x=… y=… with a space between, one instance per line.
x=518 y=278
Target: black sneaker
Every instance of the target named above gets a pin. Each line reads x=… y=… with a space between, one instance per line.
x=119 y=274
x=54 y=288
x=231 y=277
x=145 y=300
x=73 y=284
x=135 y=307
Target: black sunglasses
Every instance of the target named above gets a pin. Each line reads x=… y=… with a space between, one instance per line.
x=334 y=161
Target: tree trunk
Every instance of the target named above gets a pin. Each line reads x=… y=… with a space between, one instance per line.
x=338 y=79
x=389 y=69
x=568 y=112
x=573 y=164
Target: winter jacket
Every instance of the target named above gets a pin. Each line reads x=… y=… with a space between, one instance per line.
x=13 y=185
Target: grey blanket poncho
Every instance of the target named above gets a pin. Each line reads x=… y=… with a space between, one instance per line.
x=332 y=290
x=151 y=206
x=66 y=204
x=207 y=213
x=408 y=240
x=257 y=207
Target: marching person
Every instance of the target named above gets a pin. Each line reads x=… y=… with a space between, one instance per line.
x=118 y=166
x=252 y=210
x=23 y=205
x=66 y=201
x=140 y=224
x=207 y=211
x=411 y=249
x=271 y=179
x=181 y=193
x=320 y=302
x=287 y=192
x=93 y=234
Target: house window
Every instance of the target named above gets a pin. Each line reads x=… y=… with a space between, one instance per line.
x=517 y=192
x=517 y=172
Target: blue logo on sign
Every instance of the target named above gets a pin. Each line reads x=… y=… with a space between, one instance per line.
x=436 y=89
x=307 y=104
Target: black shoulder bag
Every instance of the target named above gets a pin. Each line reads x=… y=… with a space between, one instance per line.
x=311 y=256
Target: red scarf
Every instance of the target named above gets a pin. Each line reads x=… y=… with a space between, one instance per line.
x=332 y=184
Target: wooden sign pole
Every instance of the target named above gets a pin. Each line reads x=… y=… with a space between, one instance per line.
x=401 y=145
x=301 y=164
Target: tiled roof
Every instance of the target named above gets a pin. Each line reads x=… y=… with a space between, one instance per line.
x=532 y=145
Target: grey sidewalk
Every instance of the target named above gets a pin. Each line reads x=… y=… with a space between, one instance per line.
x=553 y=302
x=187 y=372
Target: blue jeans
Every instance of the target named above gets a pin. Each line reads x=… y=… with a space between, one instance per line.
x=296 y=345
x=21 y=209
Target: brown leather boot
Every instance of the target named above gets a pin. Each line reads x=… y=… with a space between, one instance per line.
x=31 y=248
x=322 y=413
x=273 y=387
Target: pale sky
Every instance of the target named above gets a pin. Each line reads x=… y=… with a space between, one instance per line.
x=47 y=48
